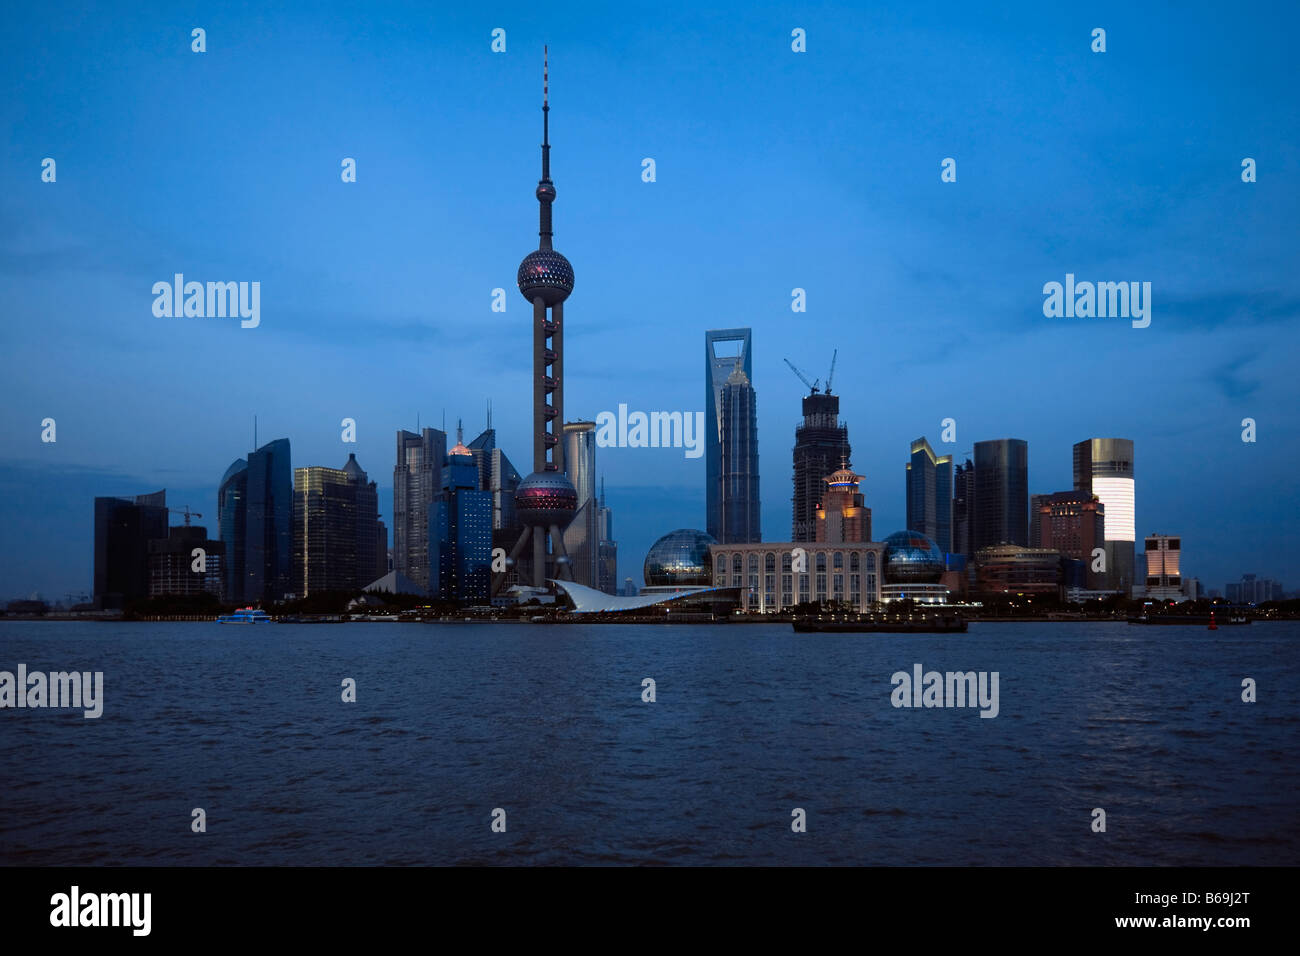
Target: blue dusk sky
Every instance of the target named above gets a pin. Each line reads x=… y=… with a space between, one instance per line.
x=775 y=170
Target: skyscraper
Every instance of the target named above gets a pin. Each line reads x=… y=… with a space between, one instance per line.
x=1000 y=514
x=1072 y=523
x=369 y=550
x=335 y=528
x=123 y=529
x=268 y=536
x=417 y=478
x=545 y=501
x=460 y=532
x=1104 y=467
x=738 y=499
x=232 y=528
x=255 y=521
x=1036 y=512
x=582 y=536
x=821 y=444
x=381 y=550
x=172 y=563
x=718 y=366
x=929 y=494
x=963 y=502
x=481 y=449
x=608 y=558
x=497 y=475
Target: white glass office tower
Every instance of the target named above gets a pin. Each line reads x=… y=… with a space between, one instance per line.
x=1104 y=467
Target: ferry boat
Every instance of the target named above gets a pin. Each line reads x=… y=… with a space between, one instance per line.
x=246 y=615
x=1191 y=619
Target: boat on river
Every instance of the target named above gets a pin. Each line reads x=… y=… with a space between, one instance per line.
x=246 y=615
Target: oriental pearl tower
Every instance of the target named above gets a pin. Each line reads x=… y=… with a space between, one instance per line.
x=546 y=500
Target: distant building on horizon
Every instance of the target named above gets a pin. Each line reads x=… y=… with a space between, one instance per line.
x=1104 y=467
x=1000 y=511
x=929 y=494
x=821 y=445
x=124 y=526
x=608 y=557
x=1252 y=589
x=417 y=479
x=336 y=529
x=718 y=367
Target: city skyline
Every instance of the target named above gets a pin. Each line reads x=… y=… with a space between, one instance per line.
x=1179 y=389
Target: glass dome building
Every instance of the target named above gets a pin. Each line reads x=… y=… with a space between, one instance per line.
x=679 y=559
x=913 y=565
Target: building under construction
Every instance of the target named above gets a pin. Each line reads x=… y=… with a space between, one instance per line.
x=821 y=446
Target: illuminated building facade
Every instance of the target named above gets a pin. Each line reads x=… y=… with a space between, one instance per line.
x=1104 y=467
x=1072 y=523
x=1164 y=582
x=771 y=577
x=842 y=517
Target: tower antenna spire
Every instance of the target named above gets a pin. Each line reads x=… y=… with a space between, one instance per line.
x=545 y=188
x=546 y=114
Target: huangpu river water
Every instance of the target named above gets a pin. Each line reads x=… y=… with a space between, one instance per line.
x=749 y=722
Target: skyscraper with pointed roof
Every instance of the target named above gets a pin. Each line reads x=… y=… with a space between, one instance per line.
x=738 y=501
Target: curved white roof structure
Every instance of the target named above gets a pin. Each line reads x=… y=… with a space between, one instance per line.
x=590 y=601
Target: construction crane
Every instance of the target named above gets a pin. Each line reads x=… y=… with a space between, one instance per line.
x=834 y=356
x=185 y=510
x=812 y=386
